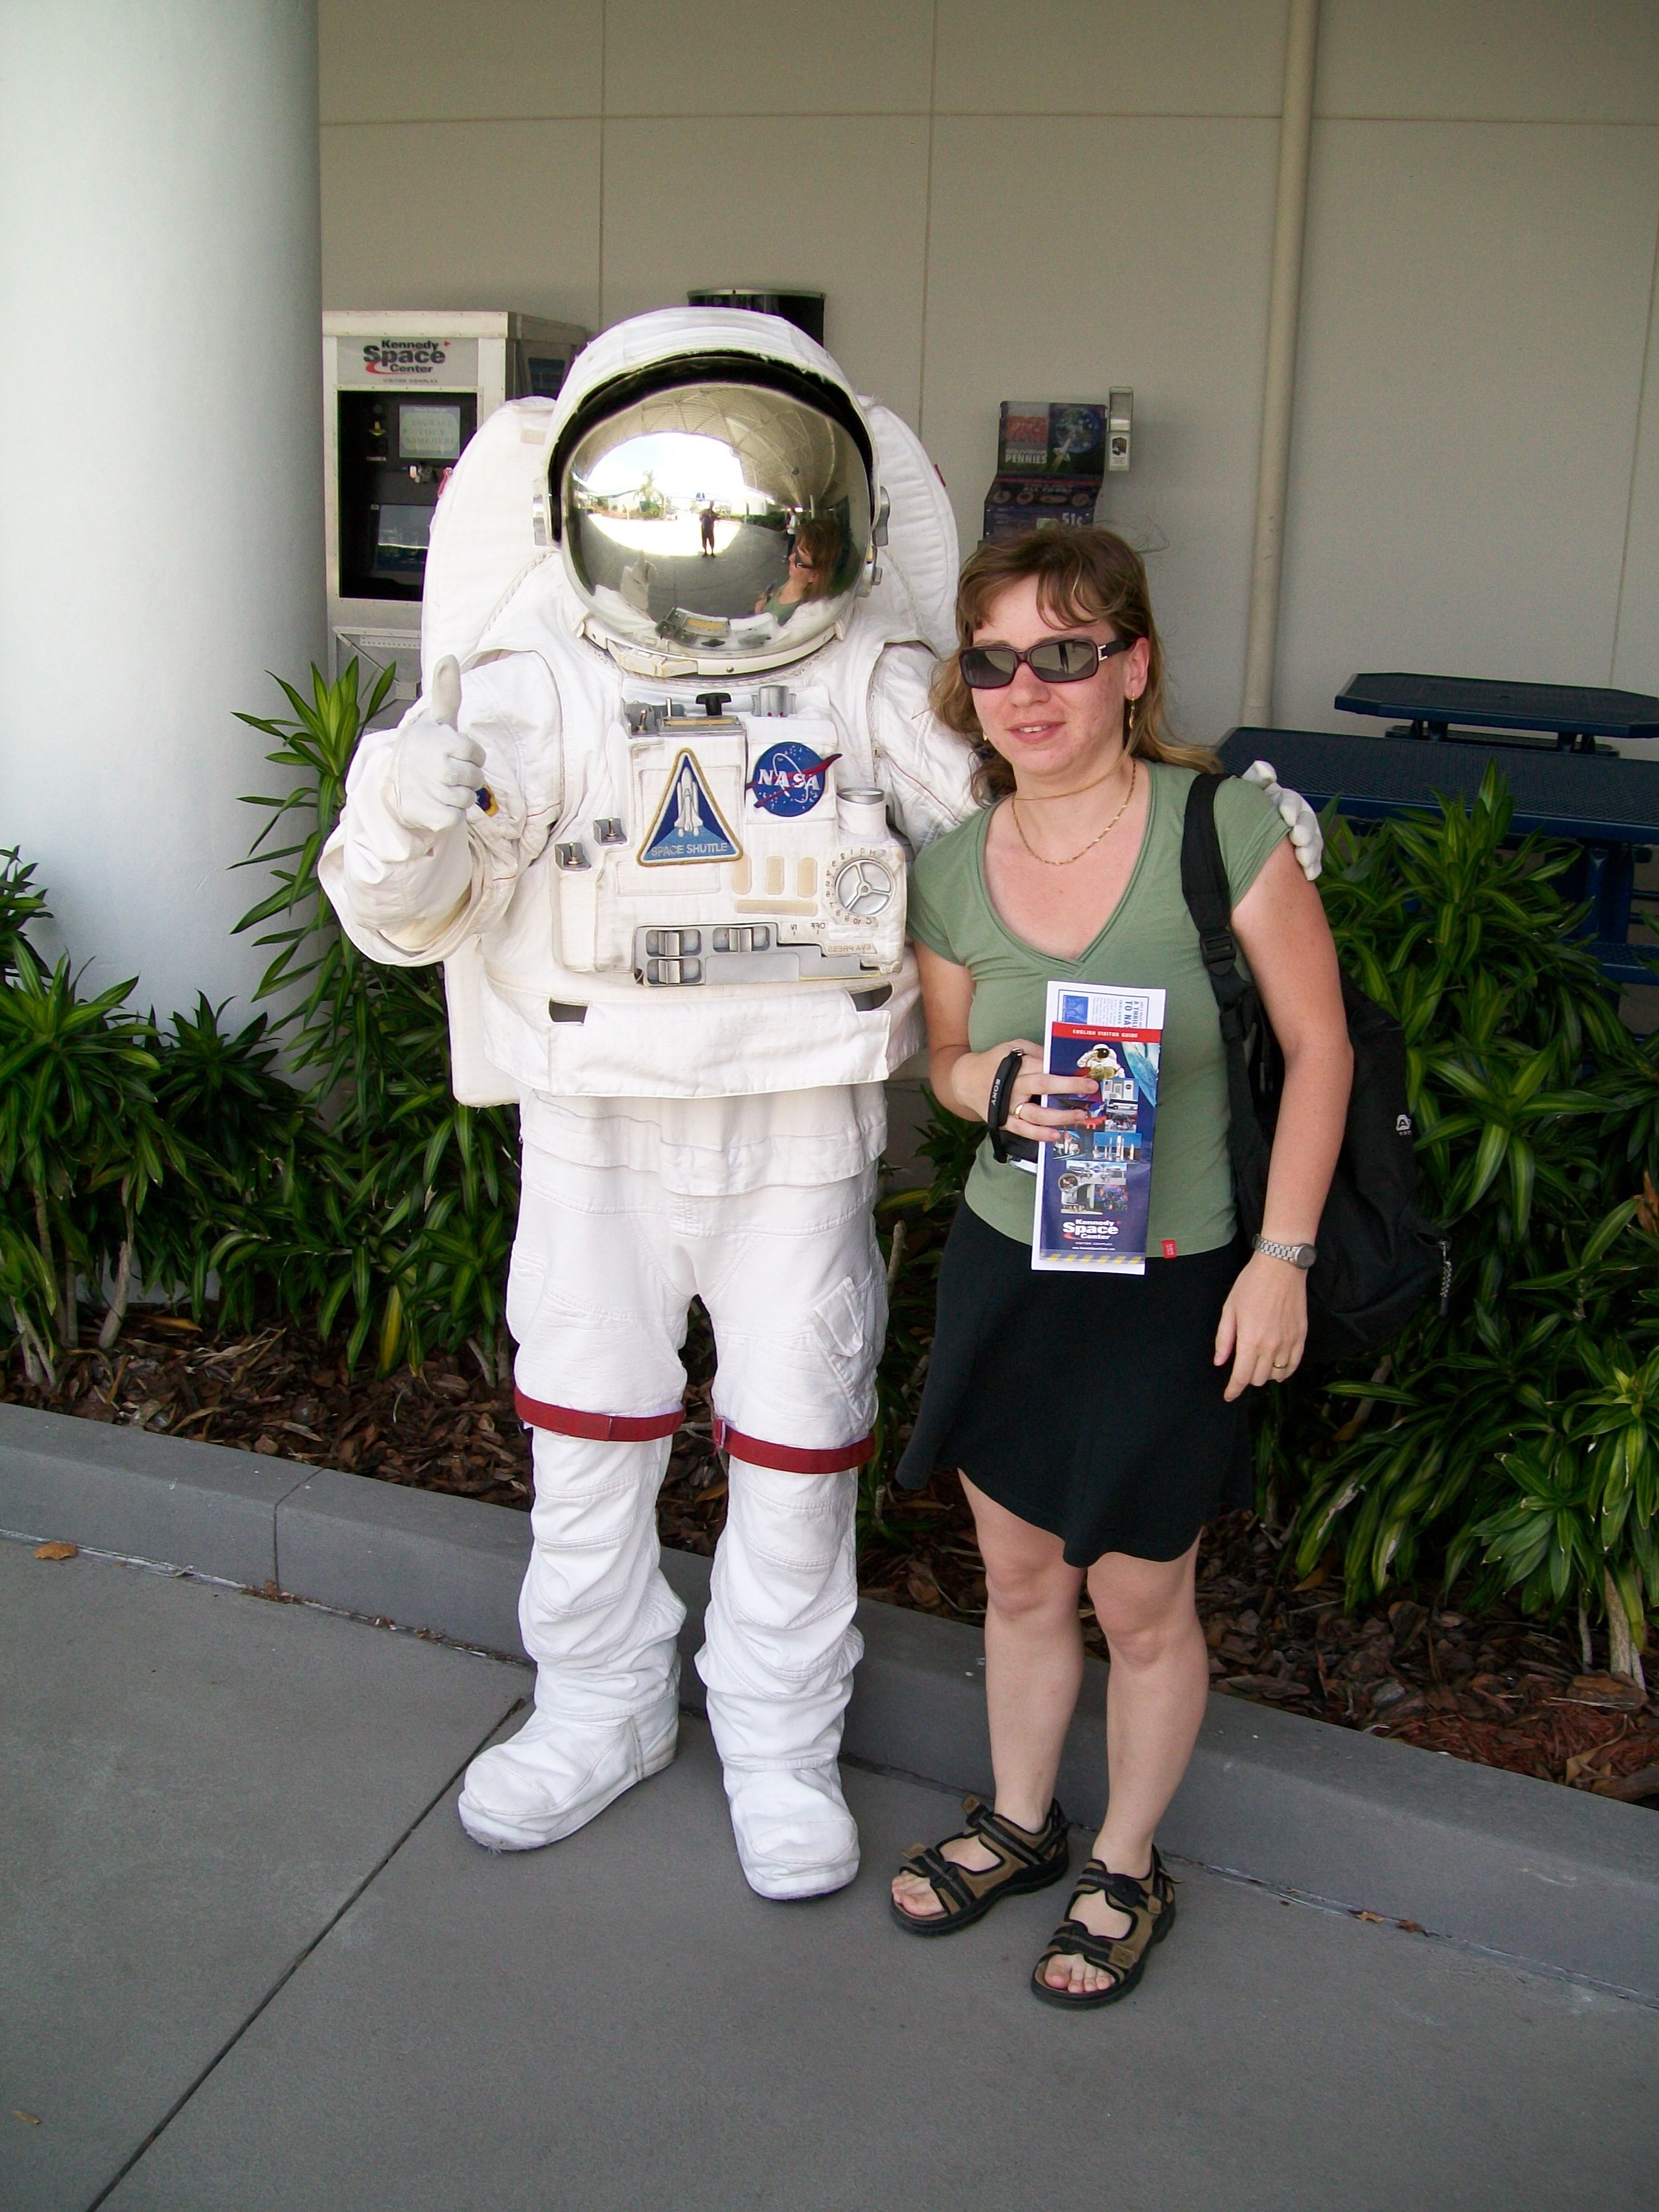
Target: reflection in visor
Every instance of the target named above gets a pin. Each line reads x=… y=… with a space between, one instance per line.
x=722 y=520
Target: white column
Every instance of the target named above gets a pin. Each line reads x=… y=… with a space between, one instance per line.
x=160 y=524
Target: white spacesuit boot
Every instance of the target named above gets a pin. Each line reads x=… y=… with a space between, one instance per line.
x=600 y=1623
x=778 y=1664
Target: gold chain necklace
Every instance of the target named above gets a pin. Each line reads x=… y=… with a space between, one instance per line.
x=1093 y=841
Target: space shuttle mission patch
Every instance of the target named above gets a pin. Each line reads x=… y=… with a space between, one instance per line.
x=688 y=826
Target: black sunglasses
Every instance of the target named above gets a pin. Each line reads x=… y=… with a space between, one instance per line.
x=1056 y=660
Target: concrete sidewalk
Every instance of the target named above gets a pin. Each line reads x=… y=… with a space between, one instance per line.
x=249 y=1961
x=1541 y=1877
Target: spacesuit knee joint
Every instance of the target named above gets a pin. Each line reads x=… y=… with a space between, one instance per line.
x=791 y=1459
x=599 y=1428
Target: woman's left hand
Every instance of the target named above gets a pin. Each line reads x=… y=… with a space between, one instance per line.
x=1264 y=1324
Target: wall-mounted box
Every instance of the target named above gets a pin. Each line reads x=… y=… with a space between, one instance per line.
x=1052 y=457
x=403 y=393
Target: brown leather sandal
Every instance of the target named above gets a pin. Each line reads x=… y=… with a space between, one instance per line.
x=1151 y=1905
x=1027 y=1859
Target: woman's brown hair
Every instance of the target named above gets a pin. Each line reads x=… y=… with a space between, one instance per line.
x=1082 y=576
x=820 y=538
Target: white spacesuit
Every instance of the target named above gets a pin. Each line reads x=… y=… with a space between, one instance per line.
x=674 y=934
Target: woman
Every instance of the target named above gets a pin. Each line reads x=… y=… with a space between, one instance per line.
x=1098 y=1420
x=811 y=571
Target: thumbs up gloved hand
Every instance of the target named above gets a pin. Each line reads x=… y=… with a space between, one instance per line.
x=1307 y=839
x=436 y=771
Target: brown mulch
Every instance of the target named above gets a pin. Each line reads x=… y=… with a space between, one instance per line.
x=1500 y=1690
x=277 y=1392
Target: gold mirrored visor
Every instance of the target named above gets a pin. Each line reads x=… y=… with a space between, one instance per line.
x=726 y=522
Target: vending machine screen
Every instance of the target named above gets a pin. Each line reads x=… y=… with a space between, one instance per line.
x=427 y=432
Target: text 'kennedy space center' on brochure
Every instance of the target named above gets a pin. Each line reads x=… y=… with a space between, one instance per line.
x=1095 y=1179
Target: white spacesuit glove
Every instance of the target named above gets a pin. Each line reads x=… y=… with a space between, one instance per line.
x=1307 y=839
x=436 y=772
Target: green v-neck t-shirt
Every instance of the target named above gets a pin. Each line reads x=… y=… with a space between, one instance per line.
x=1149 y=940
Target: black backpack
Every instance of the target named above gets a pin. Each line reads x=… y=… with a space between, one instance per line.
x=1379 y=1254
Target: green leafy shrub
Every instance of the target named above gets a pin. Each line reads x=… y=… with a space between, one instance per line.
x=405 y=1212
x=20 y=905
x=1517 y=1439
x=247 y=1142
x=81 y=1143
x=127 y=1150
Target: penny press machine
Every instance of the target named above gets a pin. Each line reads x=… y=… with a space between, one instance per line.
x=403 y=393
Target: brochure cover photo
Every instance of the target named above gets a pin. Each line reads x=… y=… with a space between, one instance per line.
x=1094 y=1182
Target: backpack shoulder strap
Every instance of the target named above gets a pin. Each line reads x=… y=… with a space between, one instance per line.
x=1209 y=898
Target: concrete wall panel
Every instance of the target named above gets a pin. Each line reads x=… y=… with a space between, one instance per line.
x=1587 y=61
x=766 y=58
x=482 y=214
x=1109 y=58
x=1167 y=296
x=388 y=61
x=736 y=219
x=1474 y=313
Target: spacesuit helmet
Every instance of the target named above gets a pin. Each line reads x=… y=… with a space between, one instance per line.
x=715 y=511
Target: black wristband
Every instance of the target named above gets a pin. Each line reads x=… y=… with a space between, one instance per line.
x=996 y=1109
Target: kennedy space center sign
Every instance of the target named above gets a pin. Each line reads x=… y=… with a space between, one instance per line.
x=363 y=364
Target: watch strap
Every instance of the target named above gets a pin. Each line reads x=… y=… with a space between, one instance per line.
x=1299 y=1255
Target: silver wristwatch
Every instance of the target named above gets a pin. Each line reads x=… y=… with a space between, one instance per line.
x=1299 y=1255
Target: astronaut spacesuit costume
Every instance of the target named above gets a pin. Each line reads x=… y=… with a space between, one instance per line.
x=675 y=935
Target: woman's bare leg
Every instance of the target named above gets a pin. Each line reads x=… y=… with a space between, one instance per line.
x=1033 y=1655
x=1033 y=1670
x=1159 y=1682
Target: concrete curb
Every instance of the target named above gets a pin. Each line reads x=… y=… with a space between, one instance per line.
x=147 y=1497
x=1550 y=1877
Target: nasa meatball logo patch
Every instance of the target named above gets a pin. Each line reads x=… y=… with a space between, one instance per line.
x=789 y=780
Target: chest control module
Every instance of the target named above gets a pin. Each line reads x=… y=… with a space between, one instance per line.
x=737 y=855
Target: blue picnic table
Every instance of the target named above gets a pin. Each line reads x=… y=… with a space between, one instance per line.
x=1431 y=707
x=1608 y=806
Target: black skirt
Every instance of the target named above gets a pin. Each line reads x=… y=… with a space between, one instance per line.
x=1088 y=1405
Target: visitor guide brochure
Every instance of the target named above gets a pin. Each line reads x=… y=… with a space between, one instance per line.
x=1094 y=1179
